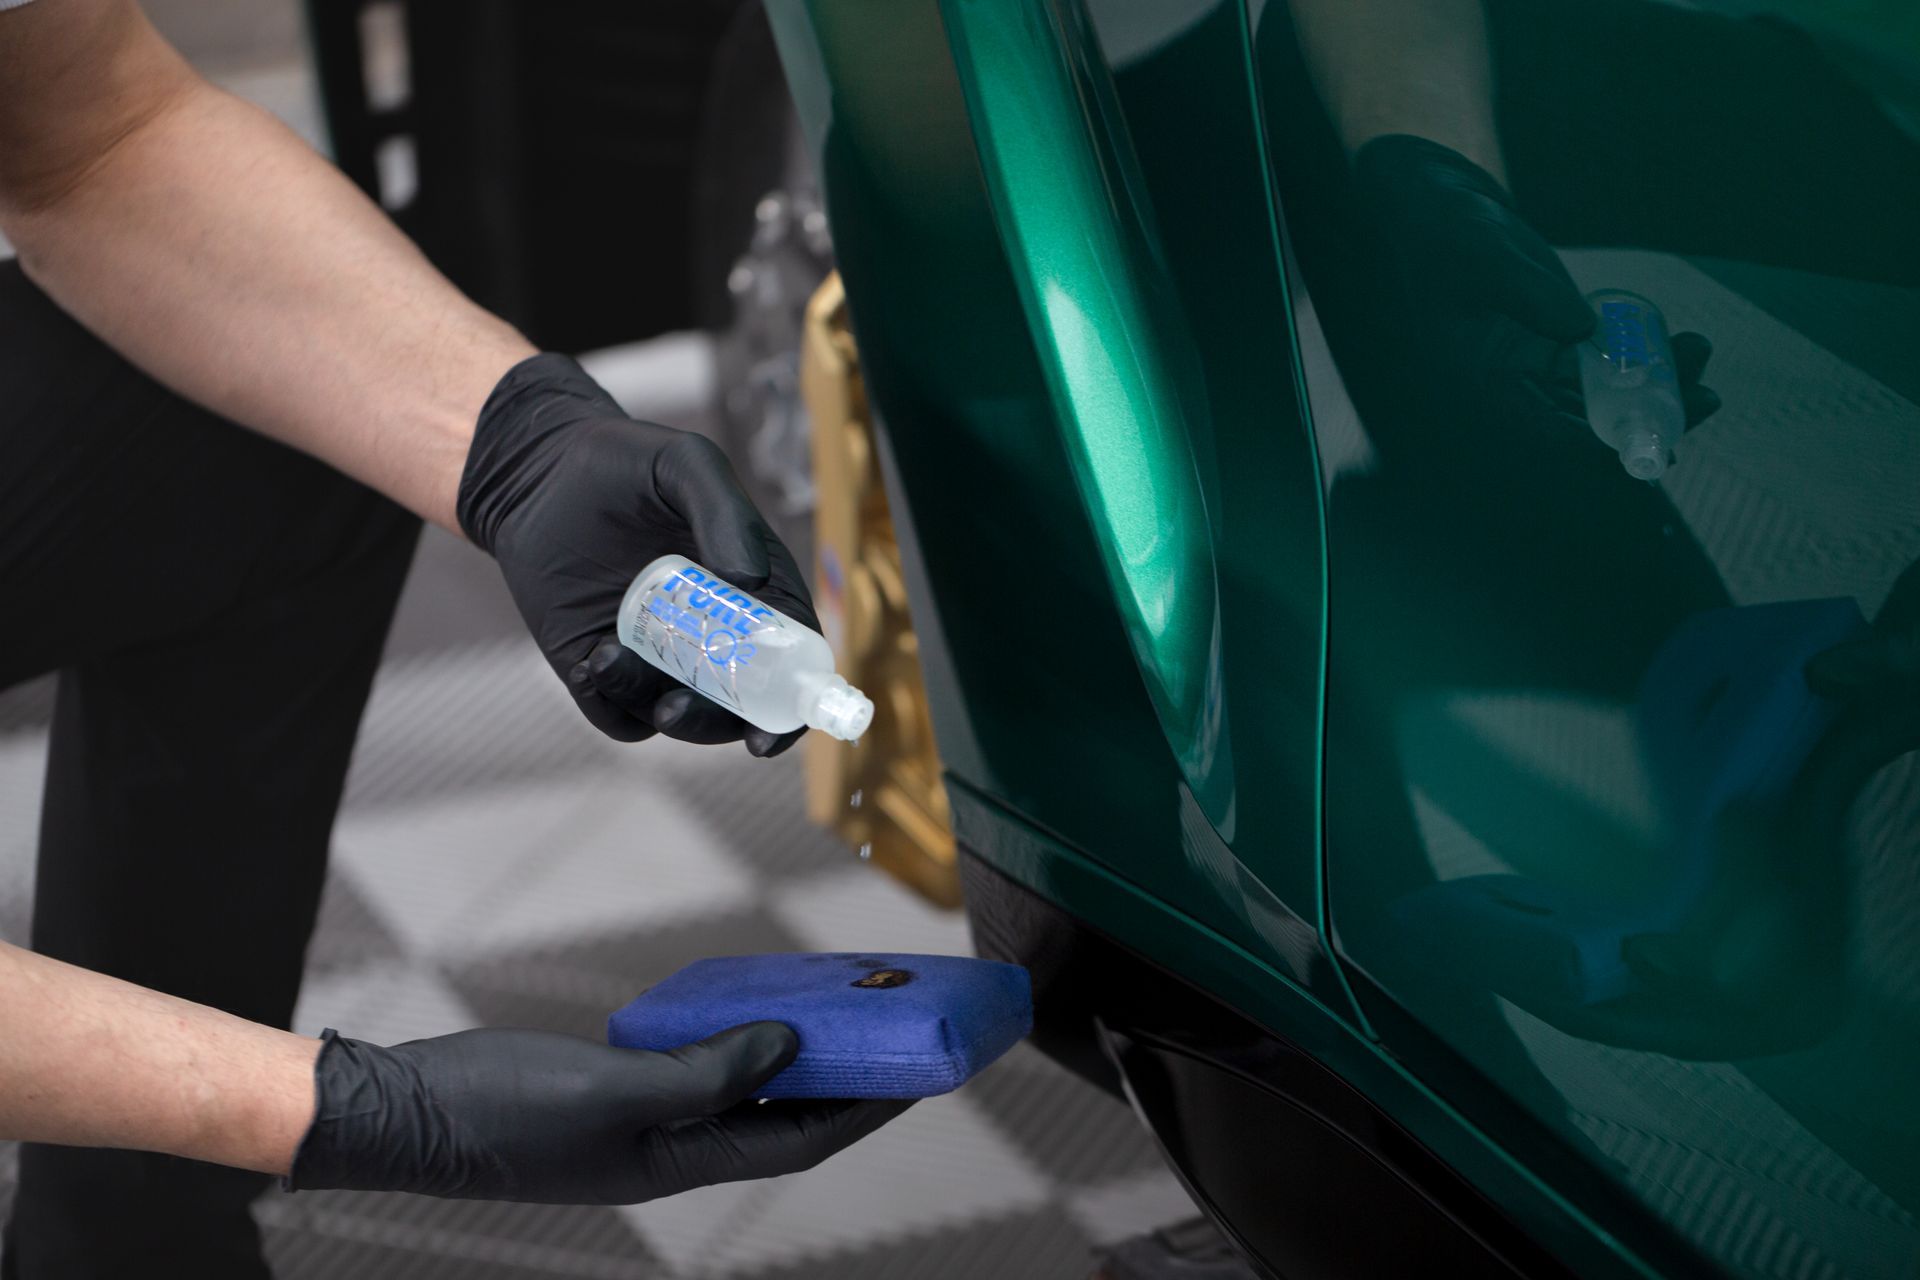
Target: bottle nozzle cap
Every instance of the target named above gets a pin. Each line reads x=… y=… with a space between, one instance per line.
x=841 y=711
x=1643 y=455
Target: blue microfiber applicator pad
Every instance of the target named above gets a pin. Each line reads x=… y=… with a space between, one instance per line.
x=870 y=1025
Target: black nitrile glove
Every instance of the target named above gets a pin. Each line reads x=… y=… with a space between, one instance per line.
x=1489 y=314
x=556 y=1119
x=574 y=498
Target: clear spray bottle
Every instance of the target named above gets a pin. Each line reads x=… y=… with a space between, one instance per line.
x=1631 y=386
x=747 y=656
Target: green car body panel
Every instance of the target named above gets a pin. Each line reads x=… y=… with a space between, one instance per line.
x=1459 y=759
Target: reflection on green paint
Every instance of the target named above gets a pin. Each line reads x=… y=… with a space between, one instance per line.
x=1061 y=175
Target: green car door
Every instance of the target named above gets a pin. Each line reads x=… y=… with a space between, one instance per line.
x=1062 y=275
x=1622 y=811
x=1286 y=618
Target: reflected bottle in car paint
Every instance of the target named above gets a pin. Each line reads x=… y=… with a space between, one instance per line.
x=755 y=661
x=1631 y=387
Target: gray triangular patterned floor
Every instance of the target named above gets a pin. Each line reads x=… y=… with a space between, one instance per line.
x=542 y=876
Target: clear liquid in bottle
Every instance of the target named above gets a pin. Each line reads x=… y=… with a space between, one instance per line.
x=1631 y=386
x=744 y=654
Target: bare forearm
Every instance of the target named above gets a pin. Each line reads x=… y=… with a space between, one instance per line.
x=213 y=248
x=88 y=1060
x=1404 y=66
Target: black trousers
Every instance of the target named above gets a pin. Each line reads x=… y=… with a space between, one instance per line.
x=215 y=605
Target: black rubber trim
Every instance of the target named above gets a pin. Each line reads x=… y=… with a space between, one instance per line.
x=1304 y=1174
x=1113 y=1016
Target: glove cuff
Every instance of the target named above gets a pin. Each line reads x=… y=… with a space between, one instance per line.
x=310 y=1158
x=537 y=398
x=360 y=1091
x=1381 y=160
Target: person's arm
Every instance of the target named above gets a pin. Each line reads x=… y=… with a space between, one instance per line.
x=1418 y=67
x=1473 y=293
x=214 y=249
x=207 y=243
x=89 y=1060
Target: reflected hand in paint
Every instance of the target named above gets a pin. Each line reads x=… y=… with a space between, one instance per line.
x=1481 y=304
x=1739 y=947
x=1781 y=942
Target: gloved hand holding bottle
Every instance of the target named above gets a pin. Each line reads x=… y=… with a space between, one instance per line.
x=573 y=498
x=1487 y=310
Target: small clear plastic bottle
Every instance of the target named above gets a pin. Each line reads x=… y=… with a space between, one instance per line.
x=747 y=656
x=1632 y=389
